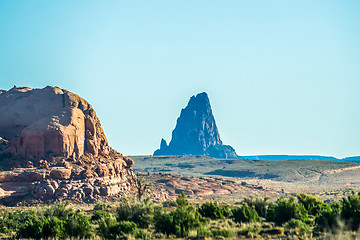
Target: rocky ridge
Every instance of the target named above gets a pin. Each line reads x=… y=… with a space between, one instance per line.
x=196 y=132
x=52 y=147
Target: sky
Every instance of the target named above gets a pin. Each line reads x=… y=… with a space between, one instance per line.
x=283 y=77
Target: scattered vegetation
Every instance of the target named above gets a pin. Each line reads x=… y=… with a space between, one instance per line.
x=303 y=217
x=58 y=221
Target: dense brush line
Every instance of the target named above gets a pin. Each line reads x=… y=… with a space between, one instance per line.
x=305 y=216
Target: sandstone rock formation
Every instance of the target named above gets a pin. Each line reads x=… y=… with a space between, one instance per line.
x=58 y=183
x=42 y=123
x=196 y=132
x=52 y=146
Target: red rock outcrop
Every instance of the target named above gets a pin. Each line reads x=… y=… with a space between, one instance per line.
x=42 y=123
x=52 y=146
x=79 y=183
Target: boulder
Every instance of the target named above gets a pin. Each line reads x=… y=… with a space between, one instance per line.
x=43 y=191
x=65 y=164
x=78 y=194
x=89 y=174
x=129 y=162
x=60 y=173
x=102 y=170
x=88 y=189
x=61 y=192
x=119 y=164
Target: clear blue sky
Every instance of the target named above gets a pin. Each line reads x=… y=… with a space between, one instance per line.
x=283 y=77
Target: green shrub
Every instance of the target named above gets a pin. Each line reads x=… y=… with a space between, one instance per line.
x=78 y=225
x=169 y=203
x=246 y=214
x=109 y=228
x=51 y=227
x=182 y=201
x=329 y=216
x=31 y=228
x=223 y=232
x=311 y=203
x=101 y=207
x=97 y=215
x=12 y=220
x=180 y=221
x=106 y=226
x=227 y=212
x=6 y=225
x=260 y=204
x=350 y=210
x=163 y=222
x=185 y=218
x=141 y=213
x=285 y=209
x=297 y=226
x=59 y=210
x=126 y=227
x=214 y=211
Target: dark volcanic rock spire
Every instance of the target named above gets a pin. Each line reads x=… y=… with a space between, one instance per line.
x=195 y=129
x=196 y=132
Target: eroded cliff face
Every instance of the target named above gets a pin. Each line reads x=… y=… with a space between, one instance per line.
x=196 y=132
x=52 y=146
x=42 y=123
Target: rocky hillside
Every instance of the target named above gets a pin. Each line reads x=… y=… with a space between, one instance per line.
x=196 y=132
x=52 y=146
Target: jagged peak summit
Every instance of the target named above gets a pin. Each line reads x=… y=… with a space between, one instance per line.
x=199 y=100
x=196 y=132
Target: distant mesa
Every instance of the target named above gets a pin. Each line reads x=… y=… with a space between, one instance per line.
x=196 y=132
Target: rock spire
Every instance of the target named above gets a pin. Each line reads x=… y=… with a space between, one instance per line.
x=196 y=132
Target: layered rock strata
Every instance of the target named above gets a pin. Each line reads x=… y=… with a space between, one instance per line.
x=52 y=147
x=67 y=181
